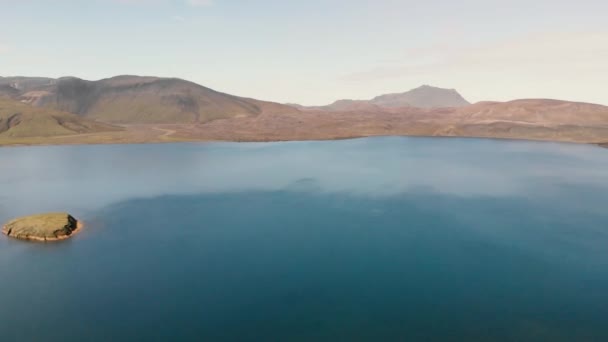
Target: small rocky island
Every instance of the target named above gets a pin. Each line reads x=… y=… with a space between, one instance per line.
x=43 y=227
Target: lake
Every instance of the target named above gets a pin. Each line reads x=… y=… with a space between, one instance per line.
x=372 y=239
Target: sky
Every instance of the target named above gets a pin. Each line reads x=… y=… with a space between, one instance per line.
x=314 y=52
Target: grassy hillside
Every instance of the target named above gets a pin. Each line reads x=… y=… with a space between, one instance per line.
x=18 y=120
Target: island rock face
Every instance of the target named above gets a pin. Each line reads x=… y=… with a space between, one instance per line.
x=43 y=227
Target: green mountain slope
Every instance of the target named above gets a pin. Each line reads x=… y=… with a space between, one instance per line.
x=19 y=120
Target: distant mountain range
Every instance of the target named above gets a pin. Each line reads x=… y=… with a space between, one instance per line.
x=144 y=109
x=421 y=97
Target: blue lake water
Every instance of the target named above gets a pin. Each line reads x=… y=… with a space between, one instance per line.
x=356 y=240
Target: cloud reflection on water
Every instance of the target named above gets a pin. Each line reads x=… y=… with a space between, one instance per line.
x=83 y=178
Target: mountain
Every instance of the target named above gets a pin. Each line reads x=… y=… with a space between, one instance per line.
x=534 y=119
x=24 y=84
x=135 y=99
x=19 y=120
x=421 y=97
x=169 y=109
x=353 y=105
x=545 y=112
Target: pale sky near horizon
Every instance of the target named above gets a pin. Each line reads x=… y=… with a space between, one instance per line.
x=314 y=52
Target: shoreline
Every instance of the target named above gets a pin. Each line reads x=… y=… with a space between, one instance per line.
x=271 y=129
x=263 y=140
x=79 y=227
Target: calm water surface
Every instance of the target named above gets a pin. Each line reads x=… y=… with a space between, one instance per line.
x=368 y=239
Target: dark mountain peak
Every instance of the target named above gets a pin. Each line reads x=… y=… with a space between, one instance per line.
x=66 y=81
x=425 y=96
x=129 y=79
x=128 y=76
x=427 y=87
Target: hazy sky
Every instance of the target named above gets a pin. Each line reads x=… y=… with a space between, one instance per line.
x=313 y=52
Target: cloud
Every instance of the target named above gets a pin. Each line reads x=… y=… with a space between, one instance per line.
x=551 y=52
x=199 y=3
x=138 y=2
x=191 y=3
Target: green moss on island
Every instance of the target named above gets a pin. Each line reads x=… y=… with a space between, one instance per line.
x=43 y=227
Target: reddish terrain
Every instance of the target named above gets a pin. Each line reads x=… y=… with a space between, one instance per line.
x=150 y=109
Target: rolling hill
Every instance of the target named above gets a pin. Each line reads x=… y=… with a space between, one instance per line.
x=536 y=111
x=135 y=99
x=548 y=120
x=152 y=109
x=24 y=84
